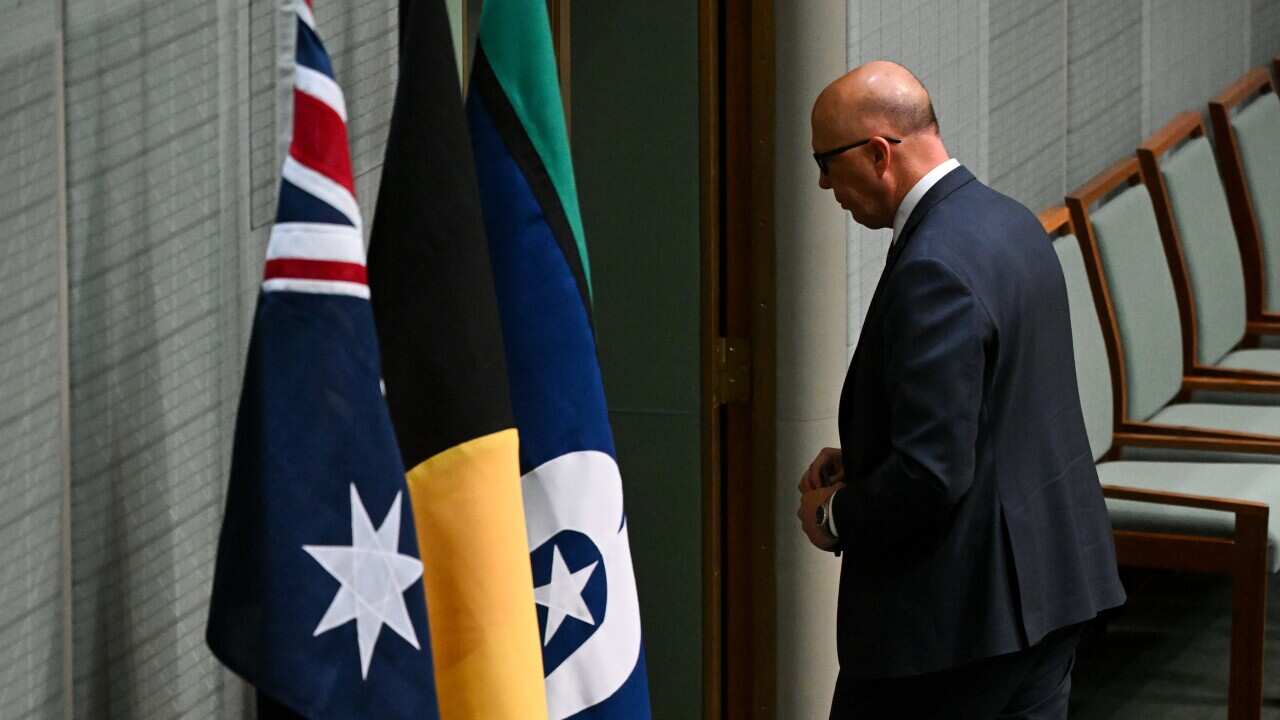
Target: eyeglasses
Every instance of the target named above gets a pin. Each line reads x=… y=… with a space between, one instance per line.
x=823 y=158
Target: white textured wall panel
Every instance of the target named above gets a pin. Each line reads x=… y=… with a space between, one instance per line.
x=1028 y=110
x=1264 y=31
x=272 y=25
x=31 y=468
x=1193 y=50
x=147 y=254
x=1104 y=85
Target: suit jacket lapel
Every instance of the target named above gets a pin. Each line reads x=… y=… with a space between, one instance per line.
x=949 y=183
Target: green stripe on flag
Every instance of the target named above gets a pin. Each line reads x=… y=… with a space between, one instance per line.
x=516 y=38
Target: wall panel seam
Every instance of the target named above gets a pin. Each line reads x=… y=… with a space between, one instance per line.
x=1066 y=95
x=63 y=256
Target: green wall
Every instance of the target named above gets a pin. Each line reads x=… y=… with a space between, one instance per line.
x=635 y=146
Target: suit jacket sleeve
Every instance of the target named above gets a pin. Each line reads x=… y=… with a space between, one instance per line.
x=935 y=338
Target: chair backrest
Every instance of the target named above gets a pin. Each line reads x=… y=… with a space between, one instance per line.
x=1142 y=295
x=1207 y=238
x=1257 y=130
x=1093 y=371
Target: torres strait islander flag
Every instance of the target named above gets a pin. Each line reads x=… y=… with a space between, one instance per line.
x=446 y=379
x=317 y=593
x=584 y=585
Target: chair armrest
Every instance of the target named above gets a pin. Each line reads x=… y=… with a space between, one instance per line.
x=1239 y=507
x=1268 y=324
x=1187 y=438
x=1230 y=380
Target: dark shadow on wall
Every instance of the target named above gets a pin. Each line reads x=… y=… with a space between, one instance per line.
x=31 y=462
x=143 y=164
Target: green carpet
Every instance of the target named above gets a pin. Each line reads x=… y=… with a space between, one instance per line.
x=1165 y=655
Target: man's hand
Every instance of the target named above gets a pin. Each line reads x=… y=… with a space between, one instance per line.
x=809 y=502
x=826 y=469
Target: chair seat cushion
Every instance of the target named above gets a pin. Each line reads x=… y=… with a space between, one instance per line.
x=1264 y=359
x=1257 y=419
x=1255 y=482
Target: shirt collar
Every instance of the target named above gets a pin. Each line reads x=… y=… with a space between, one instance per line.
x=918 y=191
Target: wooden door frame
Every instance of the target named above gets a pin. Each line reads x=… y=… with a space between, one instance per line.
x=559 y=13
x=736 y=127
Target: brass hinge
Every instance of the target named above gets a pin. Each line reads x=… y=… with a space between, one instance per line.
x=732 y=371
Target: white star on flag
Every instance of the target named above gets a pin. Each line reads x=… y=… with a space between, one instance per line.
x=374 y=575
x=563 y=594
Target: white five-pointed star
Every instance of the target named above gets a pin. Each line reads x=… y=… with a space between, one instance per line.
x=374 y=576
x=563 y=594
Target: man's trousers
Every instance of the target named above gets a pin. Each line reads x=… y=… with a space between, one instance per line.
x=1031 y=684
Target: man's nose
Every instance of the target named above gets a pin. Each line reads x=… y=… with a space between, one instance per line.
x=823 y=182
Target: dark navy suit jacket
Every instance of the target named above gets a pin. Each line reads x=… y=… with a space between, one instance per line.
x=973 y=522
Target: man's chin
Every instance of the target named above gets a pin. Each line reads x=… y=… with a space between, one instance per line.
x=868 y=223
x=863 y=221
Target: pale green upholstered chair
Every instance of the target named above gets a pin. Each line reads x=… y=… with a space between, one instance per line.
x=1246 y=133
x=1199 y=516
x=1126 y=252
x=1200 y=242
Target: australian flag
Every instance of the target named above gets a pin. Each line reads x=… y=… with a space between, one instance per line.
x=317 y=594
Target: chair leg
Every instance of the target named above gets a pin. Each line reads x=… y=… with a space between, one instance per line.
x=1248 y=621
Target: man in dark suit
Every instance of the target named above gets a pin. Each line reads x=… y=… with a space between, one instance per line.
x=974 y=534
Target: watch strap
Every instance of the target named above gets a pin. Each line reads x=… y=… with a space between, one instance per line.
x=829 y=520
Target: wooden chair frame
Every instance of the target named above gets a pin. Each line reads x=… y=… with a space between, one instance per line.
x=1242 y=556
x=1184 y=127
x=1226 y=148
x=1134 y=432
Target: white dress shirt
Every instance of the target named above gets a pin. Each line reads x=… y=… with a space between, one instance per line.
x=917 y=192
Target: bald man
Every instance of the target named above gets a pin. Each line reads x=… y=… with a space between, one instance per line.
x=974 y=534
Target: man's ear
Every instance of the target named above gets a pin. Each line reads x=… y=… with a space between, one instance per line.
x=880 y=155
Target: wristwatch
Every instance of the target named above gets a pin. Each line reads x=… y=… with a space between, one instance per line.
x=822 y=515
